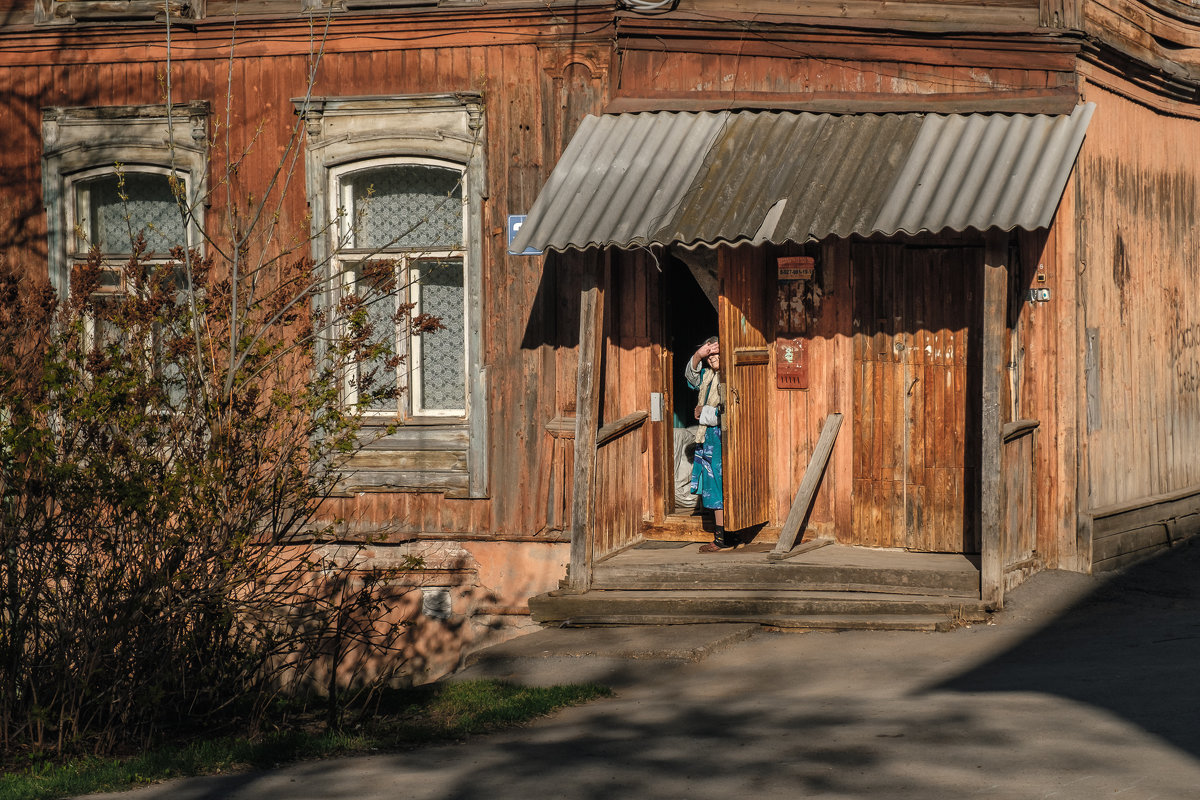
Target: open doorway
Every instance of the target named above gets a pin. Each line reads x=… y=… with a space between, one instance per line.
x=690 y=312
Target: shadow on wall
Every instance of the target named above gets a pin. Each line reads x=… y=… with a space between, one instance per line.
x=395 y=620
x=29 y=89
x=1132 y=648
x=441 y=601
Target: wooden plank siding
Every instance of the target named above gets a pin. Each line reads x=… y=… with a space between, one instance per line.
x=830 y=348
x=1138 y=183
x=850 y=73
x=1043 y=378
x=1018 y=506
x=914 y=396
x=621 y=487
x=919 y=14
x=1128 y=532
x=797 y=416
x=526 y=349
x=884 y=348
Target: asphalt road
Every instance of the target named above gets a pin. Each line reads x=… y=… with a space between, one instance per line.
x=1081 y=689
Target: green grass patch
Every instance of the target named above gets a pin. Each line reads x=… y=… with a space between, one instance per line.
x=400 y=719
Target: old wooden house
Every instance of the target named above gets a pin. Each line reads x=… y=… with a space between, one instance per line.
x=949 y=249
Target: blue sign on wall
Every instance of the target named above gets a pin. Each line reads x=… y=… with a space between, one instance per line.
x=515 y=221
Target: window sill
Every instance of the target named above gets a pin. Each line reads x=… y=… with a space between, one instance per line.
x=414 y=422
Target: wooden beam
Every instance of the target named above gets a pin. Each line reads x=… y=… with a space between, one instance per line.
x=587 y=415
x=993 y=358
x=808 y=487
x=1054 y=100
x=801 y=549
x=1065 y=14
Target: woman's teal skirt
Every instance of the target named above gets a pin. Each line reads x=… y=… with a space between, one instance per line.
x=706 y=471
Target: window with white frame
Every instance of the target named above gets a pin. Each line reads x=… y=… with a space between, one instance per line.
x=396 y=185
x=116 y=175
x=402 y=250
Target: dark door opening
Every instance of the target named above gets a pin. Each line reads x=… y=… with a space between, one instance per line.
x=690 y=312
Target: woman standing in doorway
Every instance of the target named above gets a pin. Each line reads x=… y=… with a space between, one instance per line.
x=703 y=373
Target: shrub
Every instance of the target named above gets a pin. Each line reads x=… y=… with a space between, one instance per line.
x=163 y=457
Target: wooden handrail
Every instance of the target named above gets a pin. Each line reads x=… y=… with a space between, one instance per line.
x=621 y=426
x=1018 y=428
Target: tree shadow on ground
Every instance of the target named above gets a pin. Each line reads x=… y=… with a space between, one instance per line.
x=1131 y=647
x=1100 y=701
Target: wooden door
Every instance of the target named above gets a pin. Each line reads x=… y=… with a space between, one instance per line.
x=745 y=360
x=914 y=396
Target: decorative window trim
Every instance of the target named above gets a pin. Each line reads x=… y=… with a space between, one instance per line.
x=70 y=12
x=313 y=6
x=426 y=453
x=78 y=248
x=82 y=142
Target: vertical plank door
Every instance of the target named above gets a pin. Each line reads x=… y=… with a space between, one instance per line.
x=913 y=309
x=745 y=360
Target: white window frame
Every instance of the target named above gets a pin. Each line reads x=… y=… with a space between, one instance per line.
x=411 y=402
x=416 y=392
x=81 y=240
x=79 y=247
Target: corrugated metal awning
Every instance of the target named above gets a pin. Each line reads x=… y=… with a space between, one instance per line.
x=629 y=180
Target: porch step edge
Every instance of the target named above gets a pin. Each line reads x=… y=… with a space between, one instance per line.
x=889 y=622
x=633 y=583
x=762 y=593
x=555 y=608
x=720 y=573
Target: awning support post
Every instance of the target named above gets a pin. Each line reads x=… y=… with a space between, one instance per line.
x=587 y=416
x=993 y=357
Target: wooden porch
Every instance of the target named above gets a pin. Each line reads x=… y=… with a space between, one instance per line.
x=616 y=576
x=833 y=587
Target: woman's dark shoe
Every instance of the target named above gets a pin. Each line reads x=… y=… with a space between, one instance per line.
x=721 y=541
